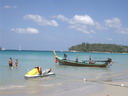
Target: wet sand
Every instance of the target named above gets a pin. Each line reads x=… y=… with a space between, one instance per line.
x=79 y=88
x=116 y=89
x=107 y=89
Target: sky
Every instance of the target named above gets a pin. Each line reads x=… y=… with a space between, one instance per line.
x=60 y=24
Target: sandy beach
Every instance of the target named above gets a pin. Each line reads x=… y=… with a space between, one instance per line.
x=113 y=89
x=106 y=89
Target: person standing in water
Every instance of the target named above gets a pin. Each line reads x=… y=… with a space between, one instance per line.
x=10 y=62
x=16 y=63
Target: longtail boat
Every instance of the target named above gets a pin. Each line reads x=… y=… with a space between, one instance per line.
x=86 y=63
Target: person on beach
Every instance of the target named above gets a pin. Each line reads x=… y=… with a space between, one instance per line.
x=10 y=62
x=16 y=63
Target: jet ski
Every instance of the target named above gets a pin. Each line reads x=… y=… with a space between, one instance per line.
x=38 y=72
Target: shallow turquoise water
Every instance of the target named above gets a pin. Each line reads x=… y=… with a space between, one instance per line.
x=13 y=78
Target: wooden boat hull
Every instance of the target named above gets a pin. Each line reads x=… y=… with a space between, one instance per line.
x=96 y=63
x=73 y=63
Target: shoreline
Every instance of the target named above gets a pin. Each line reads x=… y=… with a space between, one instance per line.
x=113 y=89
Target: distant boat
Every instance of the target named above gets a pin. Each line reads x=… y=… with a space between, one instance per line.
x=20 y=48
x=86 y=63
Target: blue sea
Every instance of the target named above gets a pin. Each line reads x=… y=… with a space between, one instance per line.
x=69 y=80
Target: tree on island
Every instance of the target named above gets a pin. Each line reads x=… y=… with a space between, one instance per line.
x=97 y=47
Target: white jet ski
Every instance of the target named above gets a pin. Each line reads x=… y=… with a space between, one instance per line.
x=37 y=72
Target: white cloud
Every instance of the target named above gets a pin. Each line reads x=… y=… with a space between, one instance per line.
x=82 y=19
x=82 y=28
x=40 y=20
x=86 y=24
x=77 y=19
x=116 y=24
x=9 y=6
x=61 y=17
x=80 y=23
x=123 y=30
x=113 y=23
x=25 y=30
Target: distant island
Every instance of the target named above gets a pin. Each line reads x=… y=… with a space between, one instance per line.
x=97 y=47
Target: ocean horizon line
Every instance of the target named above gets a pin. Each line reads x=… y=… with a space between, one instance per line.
x=25 y=50
x=34 y=50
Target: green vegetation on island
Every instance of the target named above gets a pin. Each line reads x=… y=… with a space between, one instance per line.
x=97 y=47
